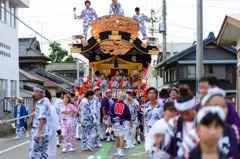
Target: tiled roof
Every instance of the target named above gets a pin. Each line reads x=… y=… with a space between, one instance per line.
x=217 y=61
x=210 y=39
x=30 y=76
x=28 y=48
x=63 y=66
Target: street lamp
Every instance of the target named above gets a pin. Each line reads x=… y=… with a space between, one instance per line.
x=85 y=81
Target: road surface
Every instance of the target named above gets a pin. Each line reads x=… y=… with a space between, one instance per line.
x=12 y=149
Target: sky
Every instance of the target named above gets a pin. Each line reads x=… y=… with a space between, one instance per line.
x=54 y=18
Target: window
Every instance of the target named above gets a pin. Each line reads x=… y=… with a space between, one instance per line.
x=173 y=75
x=187 y=71
x=208 y=69
x=2 y=10
x=3 y=88
x=13 y=88
x=13 y=13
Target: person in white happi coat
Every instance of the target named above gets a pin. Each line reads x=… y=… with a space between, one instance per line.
x=88 y=121
x=96 y=111
x=40 y=128
x=55 y=127
x=56 y=104
x=131 y=132
x=153 y=109
x=87 y=14
x=141 y=18
x=116 y=8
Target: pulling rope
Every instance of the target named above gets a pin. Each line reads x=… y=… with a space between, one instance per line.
x=12 y=120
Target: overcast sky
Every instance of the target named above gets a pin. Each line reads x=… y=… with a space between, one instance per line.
x=56 y=17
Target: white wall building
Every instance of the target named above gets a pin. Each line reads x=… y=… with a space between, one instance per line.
x=9 y=60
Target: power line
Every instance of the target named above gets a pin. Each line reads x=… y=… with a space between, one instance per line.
x=25 y=24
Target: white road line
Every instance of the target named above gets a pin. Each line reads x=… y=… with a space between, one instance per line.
x=14 y=147
x=90 y=157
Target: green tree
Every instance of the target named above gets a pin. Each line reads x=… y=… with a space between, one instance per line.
x=57 y=53
x=70 y=59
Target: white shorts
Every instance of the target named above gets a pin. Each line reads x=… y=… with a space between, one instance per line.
x=119 y=133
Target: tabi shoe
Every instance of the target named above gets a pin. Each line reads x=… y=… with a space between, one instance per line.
x=120 y=153
x=27 y=135
x=98 y=145
x=58 y=144
x=64 y=150
x=112 y=138
x=85 y=149
x=127 y=147
x=71 y=150
x=108 y=139
x=89 y=148
x=17 y=137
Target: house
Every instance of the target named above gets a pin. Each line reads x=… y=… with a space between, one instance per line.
x=33 y=70
x=229 y=35
x=218 y=60
x=68 y=70
x=154 y=80
x=30 y=55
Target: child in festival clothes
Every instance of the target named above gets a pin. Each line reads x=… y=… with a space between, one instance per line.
x=118 y=78
x=120 y=115
x=19 y=111
x=125 y=84
x=229 y=142
x=113 y=84
x=102 y=82
x=131 y=132
x=68 y=111
x=210 y=127
x=180 y=126
x=105 y=105
x=96 y=78
x=88 y=121
x=169 y=111
x=155 y=152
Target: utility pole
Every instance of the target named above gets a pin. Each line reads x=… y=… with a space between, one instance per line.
x=78 y=69
x=199 y=53
x=164 y=13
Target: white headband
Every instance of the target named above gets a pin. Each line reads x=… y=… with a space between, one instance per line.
x=185 y=105
x=39 y=89
x=210 y=109
x=212 y=92
x=159 y=130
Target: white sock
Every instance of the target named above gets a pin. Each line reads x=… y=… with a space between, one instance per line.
x=108 y=138
x=138 y=138
x=118 y=150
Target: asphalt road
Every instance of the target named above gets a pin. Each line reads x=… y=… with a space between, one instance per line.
x=18 y=149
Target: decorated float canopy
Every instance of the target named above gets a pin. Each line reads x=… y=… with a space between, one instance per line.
x=115 y=45
x=115 y=37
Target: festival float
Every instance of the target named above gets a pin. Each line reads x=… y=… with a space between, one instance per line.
x=114 y=45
